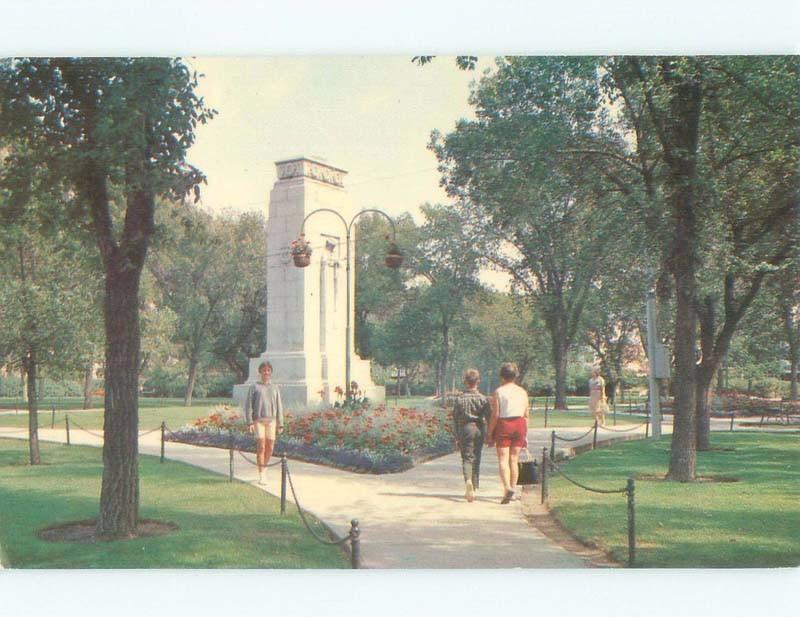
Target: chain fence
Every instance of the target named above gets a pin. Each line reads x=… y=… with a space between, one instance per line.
x=82 y=428
x=629 y=490
x=623 y=430
x=255 y=462
x=354 y=534
x=560 y=438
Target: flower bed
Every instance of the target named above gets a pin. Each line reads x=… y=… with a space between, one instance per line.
x=362 y=439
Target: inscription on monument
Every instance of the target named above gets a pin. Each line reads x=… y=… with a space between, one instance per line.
x=311 y=169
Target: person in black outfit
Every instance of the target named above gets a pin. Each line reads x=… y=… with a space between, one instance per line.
x=471 y=411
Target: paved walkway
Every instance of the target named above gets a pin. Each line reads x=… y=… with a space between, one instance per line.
x=414 y=519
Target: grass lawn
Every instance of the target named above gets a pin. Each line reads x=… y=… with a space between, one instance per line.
x=754 y=522
x=149 y=417
x=75 y=402
x=566 y=419
x=176 y=415
x=222 y=524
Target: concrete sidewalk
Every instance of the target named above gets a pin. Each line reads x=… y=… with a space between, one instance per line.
x=414 y=519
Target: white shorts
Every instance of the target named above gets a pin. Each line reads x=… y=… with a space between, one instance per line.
x=266 y=429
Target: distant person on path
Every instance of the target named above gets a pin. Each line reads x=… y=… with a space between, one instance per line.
x=471 y=412
x=263 y=413
x=508 y=427
x=597 y=397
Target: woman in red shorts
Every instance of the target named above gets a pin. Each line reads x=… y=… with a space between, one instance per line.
x=509 y=427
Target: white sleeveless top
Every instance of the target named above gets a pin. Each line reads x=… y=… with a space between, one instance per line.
x=512 y=401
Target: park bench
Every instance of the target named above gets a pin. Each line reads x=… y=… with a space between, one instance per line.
x=782 y=413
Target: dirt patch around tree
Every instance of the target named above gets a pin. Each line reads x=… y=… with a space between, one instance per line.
x=85 y=532
x=539 y=516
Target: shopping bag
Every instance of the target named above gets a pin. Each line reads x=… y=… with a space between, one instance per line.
x=528 y=470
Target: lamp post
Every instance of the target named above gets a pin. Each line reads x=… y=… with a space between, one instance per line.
x=393 y=260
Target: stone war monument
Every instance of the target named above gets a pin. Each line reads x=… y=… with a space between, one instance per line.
x=306 y=307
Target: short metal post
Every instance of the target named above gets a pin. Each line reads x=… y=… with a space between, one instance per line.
x=594 y=437
x=630 y=490
x=53 y=418
x=163 y=438
x=230 y=455
x=66 y=423
x=553 y=446
x=355 y=545
x=544 y=475
x=731 y=422
x=284 y=470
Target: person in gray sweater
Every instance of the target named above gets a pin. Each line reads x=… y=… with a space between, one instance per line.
x=471 y=412
x=263 y=412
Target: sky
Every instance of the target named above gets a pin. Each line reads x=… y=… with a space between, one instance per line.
x=371 y=115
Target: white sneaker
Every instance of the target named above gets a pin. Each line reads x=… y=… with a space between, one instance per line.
x=469 y=495
x=261 y=476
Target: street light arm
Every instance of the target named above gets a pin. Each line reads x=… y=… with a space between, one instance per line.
x=310 y=214
x=383 y=214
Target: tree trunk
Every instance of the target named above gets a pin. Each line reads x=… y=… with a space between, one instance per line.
x=23 y=390
x=445 y=362
x=187 y=399
x=705 y=369
x=119 y=495
x=679 y=130
x=793 y=340
x=683 y=454
x=33 y=410
x=88 y=381
x=703 y=397
x=560 y=364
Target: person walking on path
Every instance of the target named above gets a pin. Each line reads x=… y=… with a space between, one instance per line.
x=471 y=412
x=263 y=412
x=508 y=427
x=597 y=397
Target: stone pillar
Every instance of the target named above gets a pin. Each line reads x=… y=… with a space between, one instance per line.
x=306 y=306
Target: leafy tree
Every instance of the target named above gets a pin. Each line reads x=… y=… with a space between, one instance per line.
x=379 y=289
x=111 y=134
x=725 y=130
x=408 y=318
x=757 y=349
x=784 y=293
x=46 y=307
x=686 y=141
x=613 y=326
x=408 y=337
x=447 y=258
x=210 y=272
x=547 y=222
x=751 y=178
x=504 y=328
x=243 y=321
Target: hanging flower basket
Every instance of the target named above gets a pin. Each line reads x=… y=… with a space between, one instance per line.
x=301 y=251
x=301 y=260
x=394 y=258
